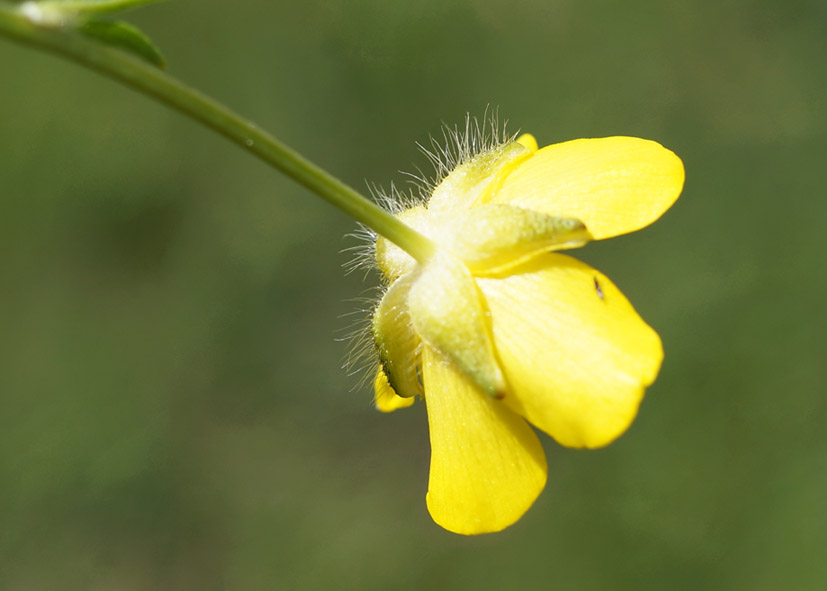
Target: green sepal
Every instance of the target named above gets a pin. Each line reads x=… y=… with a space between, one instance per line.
x=493 y=237
x=396 y=341
x=123 y=36
x=472 y=182
x=448 y=313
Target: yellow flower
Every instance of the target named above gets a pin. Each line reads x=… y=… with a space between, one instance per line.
x=496 y=330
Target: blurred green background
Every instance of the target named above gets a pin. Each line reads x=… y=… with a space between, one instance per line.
x=173 y=412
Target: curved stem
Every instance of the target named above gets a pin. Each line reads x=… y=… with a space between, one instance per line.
x=151 y=81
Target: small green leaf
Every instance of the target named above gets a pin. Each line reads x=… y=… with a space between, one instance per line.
x=123 y=36
x=81 y=7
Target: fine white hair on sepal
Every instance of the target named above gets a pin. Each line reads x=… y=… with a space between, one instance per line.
x=361 y=359
x=394 y=199
x=362 y=255
x=459 y=145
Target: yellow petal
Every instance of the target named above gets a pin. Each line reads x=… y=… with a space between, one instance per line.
x=384 y=398
x=614 y=185
x=487 y=465
x=576 y=354
x=528 y=141
x=448 y=314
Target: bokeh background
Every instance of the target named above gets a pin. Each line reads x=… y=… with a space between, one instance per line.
x=173 y=410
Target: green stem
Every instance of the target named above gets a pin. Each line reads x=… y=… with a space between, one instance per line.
x=146 y=78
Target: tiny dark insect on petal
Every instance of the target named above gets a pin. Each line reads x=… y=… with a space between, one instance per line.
x=598 y=289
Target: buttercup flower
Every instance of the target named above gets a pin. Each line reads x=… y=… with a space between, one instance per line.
x=497 y=330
